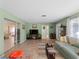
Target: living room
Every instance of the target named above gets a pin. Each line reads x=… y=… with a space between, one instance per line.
x=44 y=29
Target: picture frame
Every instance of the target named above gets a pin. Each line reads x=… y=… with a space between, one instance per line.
x=34 y=26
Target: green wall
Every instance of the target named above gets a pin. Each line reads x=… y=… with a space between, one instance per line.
x=52 y=28
x=5 y=14
x=29 y=26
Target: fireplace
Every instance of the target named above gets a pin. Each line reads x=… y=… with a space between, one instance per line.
x=33 y=34
x=33 y=31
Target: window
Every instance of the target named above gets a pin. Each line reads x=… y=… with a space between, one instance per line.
x=73 y=28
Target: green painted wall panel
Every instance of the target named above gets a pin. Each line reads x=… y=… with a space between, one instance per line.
x=29 y=26
x=52 y=28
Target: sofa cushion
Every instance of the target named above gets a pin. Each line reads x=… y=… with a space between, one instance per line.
x=68 y=51
x=76 y=45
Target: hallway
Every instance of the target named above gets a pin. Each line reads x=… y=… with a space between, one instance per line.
x=30 y=47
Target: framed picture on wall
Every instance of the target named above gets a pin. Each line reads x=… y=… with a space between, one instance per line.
x=34 y=26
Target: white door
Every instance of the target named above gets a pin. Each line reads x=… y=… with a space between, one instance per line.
x=45 y=32
x=9 y=34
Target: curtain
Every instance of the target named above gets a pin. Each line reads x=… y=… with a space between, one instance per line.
x=73 y=28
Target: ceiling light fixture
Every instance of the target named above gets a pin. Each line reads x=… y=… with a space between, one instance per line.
x=43 y=15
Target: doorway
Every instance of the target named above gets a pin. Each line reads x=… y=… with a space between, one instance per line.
x=9 y=34
x=58 y=31
x=45 y=32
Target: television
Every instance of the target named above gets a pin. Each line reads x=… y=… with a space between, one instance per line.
x=34 y=31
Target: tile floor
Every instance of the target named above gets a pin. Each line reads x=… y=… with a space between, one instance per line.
x=30 y=48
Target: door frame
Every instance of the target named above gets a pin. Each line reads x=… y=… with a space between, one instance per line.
x=58 y=31
x=16 y=27
x=43 y=33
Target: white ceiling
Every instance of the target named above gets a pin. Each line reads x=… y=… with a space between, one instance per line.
x=1 y=3
x=32 y=10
